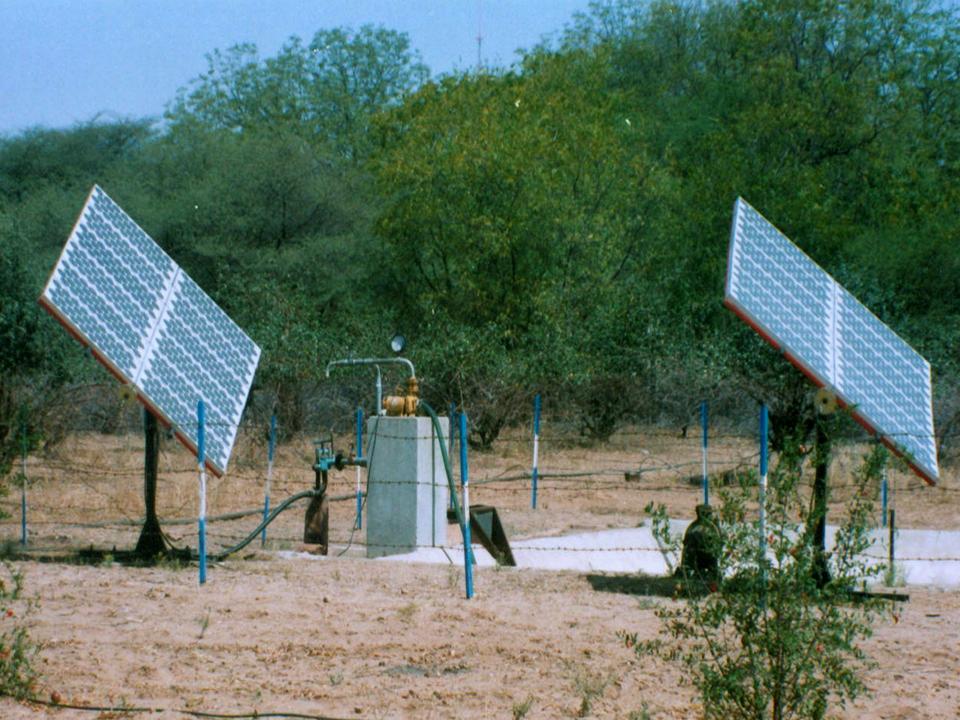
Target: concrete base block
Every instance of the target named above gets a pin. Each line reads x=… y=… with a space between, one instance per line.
x=407 y=492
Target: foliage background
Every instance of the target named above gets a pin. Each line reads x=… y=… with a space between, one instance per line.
x=558 y=226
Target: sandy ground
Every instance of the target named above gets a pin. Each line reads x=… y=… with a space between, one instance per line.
x=350 y=638
x=345 y=637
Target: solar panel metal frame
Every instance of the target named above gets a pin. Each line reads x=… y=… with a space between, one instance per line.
x=831 y=315
x=153 y=306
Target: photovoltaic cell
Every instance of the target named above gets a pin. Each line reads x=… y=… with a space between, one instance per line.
x=152 y=326
x=832 y=337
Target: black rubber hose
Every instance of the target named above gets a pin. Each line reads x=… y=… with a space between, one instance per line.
x=270 y=518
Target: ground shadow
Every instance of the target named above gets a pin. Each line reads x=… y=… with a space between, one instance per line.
x=171 y=557
x=661 y=586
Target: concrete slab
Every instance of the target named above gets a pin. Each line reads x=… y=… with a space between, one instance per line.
x=923 y=557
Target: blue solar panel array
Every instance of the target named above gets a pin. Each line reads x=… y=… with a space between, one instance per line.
x=119 y=292
x=801 y=309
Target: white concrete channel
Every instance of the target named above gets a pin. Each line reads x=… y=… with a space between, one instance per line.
x=922 y=557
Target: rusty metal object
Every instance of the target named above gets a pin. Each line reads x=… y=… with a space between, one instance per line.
x=403 y=405
x=701 y=547
x=316 y=524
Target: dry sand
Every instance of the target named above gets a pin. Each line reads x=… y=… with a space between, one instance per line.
x=345 y=637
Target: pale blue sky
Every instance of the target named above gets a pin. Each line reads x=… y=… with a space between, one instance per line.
x=65 y=61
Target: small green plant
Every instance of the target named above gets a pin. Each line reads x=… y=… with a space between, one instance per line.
x=173 y=562
x=764 y=636
x=589 y=686
x=9 y=549
x=893 y=576
x=17 y=650
x=453 y=577
x=520 y=709
x=407 y=612
x=204 y=622
x=335 y=678
x=642 y=714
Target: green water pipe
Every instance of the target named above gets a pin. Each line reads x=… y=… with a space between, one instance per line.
x=266 y=521
x=446 y=465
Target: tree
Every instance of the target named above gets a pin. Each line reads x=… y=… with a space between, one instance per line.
x=22 y=351
x=324 y=92
x=524 y=205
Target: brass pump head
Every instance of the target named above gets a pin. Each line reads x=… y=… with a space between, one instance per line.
x=401 y=405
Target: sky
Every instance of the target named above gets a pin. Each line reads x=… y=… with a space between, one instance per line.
x=64 y=62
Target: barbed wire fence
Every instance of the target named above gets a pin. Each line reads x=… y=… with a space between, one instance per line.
x=87 y=491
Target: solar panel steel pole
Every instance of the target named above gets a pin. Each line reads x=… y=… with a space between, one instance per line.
x=821 y=573
x=151 y=542
x=202 y=515
x=271 y=446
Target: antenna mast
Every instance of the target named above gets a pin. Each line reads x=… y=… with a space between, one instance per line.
x=479 y=35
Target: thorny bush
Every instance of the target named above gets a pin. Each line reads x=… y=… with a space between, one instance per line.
x=760 y=639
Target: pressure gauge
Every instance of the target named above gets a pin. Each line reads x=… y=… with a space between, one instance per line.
x=397 y=343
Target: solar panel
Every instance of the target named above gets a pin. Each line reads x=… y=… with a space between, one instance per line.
x=836 y=341
x=152 y=326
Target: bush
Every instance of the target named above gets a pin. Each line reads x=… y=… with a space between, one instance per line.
x=17 y=651
x=760 y=639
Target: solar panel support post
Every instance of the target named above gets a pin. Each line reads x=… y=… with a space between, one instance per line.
x=892 y=539
x=821 y=573
x=151 y=542
x=271 y=446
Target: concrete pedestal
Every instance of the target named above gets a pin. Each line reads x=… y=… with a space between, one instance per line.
x=407 y=491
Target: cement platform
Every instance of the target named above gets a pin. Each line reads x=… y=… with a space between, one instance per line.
x=923 y=557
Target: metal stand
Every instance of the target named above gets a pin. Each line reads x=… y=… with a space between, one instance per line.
x=821 y=573
x=316 y=523
x=151 y=542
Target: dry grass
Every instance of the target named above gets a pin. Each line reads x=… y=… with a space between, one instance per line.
x=348 y=637
x=88 y=490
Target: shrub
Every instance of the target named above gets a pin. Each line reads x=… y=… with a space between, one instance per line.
x=17 y=651
x=761 y=639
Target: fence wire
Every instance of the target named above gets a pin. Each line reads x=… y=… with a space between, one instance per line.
x=88 y=490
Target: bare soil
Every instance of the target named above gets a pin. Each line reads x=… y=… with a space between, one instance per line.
x=345 y=637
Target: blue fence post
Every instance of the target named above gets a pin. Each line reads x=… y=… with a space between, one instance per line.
x=535 y=470
x=763 y=482
x=883 y=492
x=202 y=516
x=271 y=446
x=24 y=448
x=704 y=428
x=465 y=485
x=359 y=521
